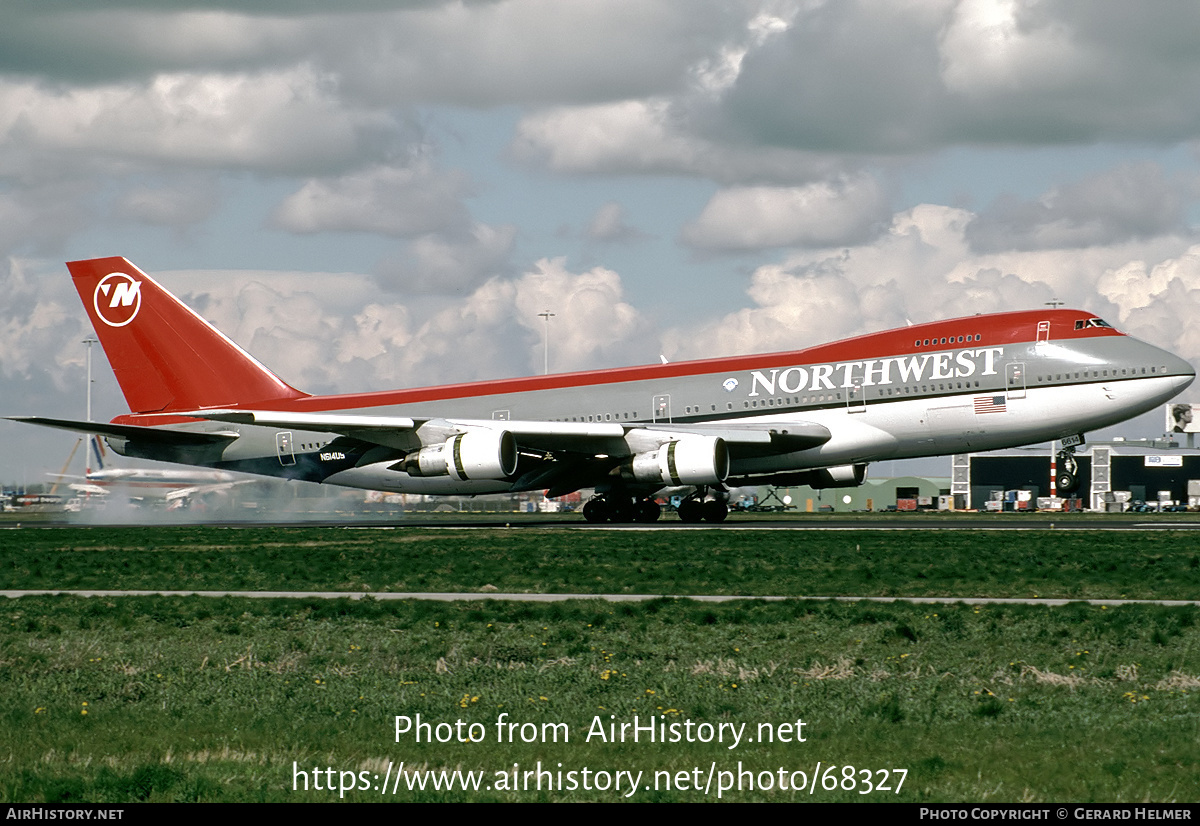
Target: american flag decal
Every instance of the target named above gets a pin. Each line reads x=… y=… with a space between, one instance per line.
x=990 y=404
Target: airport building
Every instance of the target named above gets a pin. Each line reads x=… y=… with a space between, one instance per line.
x=1110 y=475
x=875 y=494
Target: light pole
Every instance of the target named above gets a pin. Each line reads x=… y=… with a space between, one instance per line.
x=87 y=448
x=89 y=341
x=546 y=348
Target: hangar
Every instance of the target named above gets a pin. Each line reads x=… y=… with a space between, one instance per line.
x=1144 y=470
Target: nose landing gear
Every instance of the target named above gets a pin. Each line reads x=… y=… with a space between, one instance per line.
x=1066 y=478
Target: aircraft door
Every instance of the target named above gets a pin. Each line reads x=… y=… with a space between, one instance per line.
x=1015 y=375
x=1043 y=333
x=662 y=408
x=284 y=448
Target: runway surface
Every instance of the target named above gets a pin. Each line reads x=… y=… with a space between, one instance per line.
x=971 y=522
x=459 y=597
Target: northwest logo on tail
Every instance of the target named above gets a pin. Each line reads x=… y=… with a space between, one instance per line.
x=117 y=299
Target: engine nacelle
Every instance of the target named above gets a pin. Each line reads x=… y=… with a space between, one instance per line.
x=692 y=460
x=477 y=454
x=842 y=476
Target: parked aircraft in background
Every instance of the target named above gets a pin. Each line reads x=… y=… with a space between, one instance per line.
x=810 y=417
x=172 y=488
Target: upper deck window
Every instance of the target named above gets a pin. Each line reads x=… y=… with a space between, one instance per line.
x=1084 y=324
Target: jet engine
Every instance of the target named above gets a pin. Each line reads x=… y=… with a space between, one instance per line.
x=476 y=454
x=692 y=460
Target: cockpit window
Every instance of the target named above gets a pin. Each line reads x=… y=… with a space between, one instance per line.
x=1084 y=324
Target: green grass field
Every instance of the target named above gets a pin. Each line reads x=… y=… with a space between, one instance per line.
x=1070 y=564
x=174 y=698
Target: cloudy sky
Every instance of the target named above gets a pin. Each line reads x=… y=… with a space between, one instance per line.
x=372 y=194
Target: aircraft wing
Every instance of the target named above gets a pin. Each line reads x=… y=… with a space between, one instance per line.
x=593 y=438
x=564 y=456
x=606 y=439
x=162 y=435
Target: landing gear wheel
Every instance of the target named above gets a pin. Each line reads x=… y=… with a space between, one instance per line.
x=597 y=510
x=715 y=511
x=647 y=511
x=1065 y=483
x=623 y=510
x=690 y=511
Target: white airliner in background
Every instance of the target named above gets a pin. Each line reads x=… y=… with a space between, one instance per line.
x=172 y=488
x=816 y=416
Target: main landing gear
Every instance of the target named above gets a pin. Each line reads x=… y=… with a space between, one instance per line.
x=612 y=508
x=696 y=508
x=1066 y=477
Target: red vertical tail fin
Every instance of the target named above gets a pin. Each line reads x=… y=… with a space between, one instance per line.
x=166 y=357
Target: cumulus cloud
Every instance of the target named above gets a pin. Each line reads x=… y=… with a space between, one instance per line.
x=286 y=120
x=525 y=51
x=650 y=136
x=923 y=269
x=474 y=53
x=608 y=224
x=450 y=263
x=827 y=85
x=817 y=215
x=179 y=204
x=330 y=333
x=397 y=201
x=1130 y=202
x=497 y=331
x=97 y=43
x=903 y=77
x=38 y=326
x=1159 y=302
x=992 y=47
x=41 y=217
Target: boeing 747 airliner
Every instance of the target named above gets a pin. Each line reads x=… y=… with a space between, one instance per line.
x=816 y=416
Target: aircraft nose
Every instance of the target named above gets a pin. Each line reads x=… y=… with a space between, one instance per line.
x=1179 y=369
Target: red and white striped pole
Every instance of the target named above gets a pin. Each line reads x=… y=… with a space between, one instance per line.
x=1053 y=471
